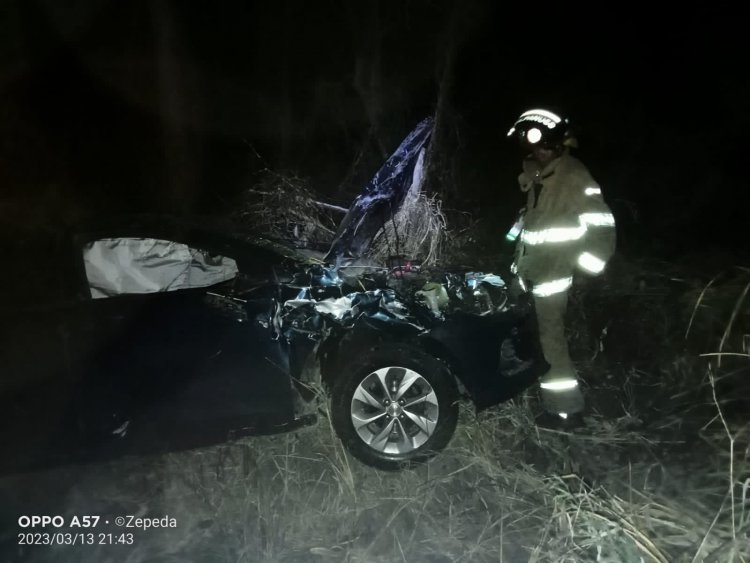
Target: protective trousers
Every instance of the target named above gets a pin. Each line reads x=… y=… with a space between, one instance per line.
x=559 y=386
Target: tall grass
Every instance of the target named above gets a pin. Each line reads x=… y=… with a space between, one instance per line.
x=502 y=491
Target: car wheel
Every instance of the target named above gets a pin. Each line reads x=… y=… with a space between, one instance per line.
x=395 y=407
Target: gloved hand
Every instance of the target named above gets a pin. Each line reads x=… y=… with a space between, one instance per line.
x=517 y=227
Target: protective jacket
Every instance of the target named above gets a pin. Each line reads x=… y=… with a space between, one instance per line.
x=567 y=225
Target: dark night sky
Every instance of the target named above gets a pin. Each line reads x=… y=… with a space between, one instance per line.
x=112 y=105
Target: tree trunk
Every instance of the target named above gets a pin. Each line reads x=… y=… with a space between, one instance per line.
x=441 y=175
x=180 y=155
x=368 y=72
x=364 y=21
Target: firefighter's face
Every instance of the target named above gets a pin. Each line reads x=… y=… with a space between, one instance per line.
x=544 y=155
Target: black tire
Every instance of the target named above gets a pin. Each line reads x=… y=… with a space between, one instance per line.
x=419 y=430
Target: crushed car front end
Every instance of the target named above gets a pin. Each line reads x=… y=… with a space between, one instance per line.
x=396 y=350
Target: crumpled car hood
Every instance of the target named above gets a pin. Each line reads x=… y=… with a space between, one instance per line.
x=422 y=301
x=381 y=197
x=473 y=317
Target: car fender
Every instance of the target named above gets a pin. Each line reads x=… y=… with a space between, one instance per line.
x=343 y=346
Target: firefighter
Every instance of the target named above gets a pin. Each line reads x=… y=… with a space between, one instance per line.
x=566 y=230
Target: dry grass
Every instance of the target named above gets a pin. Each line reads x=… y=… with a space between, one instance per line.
x=418 y=230
x=282 y=207
x=503 y=491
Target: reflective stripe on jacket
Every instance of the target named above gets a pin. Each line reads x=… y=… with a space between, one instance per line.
x=567 y=224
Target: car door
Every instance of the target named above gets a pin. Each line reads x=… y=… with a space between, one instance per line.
x=132 y=354
x=120 y=349
x=184 y=360
x=243 y=377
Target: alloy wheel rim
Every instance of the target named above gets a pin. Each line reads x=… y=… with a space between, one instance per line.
x=394 y=410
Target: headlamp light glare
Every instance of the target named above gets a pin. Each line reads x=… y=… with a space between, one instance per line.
x=533 y=135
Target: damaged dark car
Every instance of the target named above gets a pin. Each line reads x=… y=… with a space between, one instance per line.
x=170 y=333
